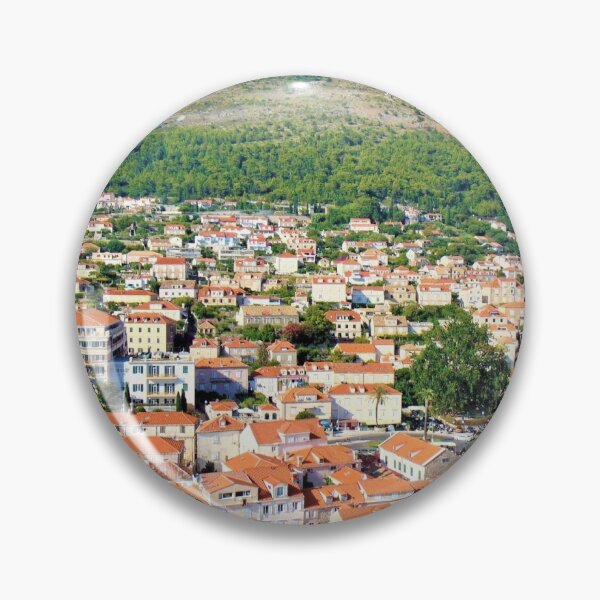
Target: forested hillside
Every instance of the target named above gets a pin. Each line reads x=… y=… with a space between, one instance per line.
x=300 y=149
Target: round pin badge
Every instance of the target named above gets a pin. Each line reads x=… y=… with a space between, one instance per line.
x=299 y=300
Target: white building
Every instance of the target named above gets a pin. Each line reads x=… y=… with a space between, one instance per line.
x=154 y=381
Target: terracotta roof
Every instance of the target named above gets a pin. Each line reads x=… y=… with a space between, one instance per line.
x=270 y=311
x=328 y=496
x=489 y=310
x=252 y=460
x=167 y=260
x=237 y=343
x=222 y=423
x=335 y=454
x=268 y=432
x=164 y=305
x=148 y=317
x=214 y=482
x=331 y=315
x=227 y=290
x=292 y=395
x=152 y=444
x=262 y=476
x=340 y=367
x=220 y=363
x=349 y=348
x=347 y=475
x=281 y=346
x=92 y=317
x=362 y=388
x=352 y=512
x=117 y=292
x=384 y=486
x=411 y=448
x=151 y=418
x=328 y=279
x=223 y=405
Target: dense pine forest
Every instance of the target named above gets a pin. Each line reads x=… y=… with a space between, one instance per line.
x=311 y=156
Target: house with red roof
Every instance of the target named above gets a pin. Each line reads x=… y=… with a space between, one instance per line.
x=218 y=440
x=170 y=268
x=299 y=399
x=275 y=438
x=413 y=458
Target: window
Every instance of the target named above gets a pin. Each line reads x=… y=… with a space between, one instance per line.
x=182 y=429
x=265 y=510
x=225 y=495
x=138 y=369
x=162 y=429
x=279 y=491
x=185 y=369
x=280 y=508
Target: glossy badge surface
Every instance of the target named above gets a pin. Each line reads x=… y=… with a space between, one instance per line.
x=299 y=300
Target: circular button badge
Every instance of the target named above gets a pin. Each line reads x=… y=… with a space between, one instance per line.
x=299 y=300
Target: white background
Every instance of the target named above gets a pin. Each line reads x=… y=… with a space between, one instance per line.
x=83 y=82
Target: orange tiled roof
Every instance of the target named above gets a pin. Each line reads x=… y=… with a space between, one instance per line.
x=92 y=317
x=291 y=395
x=362 y=388
x=151 y=418
x=252 y=460
x=268 y=432
x=149 y=317
x=224 y=362
x=222 y=423
x=411 y=448
x=336 y=454
x=152 y=444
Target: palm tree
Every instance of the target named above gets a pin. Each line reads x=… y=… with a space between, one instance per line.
x=426 y=395
x=378 y=396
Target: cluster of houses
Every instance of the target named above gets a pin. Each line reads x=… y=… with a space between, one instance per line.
x=189 y=411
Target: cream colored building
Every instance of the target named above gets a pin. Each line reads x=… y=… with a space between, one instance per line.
x=102 y=339
x=434 y=292
x=279 y=316
x=218 y=440
x=328 y=288
x=204 y=348
x=162 y=307
x=329 y=374
x=298 y=399
x=109 y=258
x=275 y=438
x=177 y=289
x=358 y=402
x=174 y=425
x=286 y=263
x=149 y=333
x=382 y=325
x=170 y=268
x=132 y=297
x=347 y=323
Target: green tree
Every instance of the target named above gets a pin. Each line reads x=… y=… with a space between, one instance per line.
x=178 y=404
x=464 y=373
x=305 y=414
x=127 y=395
x=183 y=401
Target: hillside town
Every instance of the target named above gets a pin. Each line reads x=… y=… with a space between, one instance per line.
x=275 y=370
